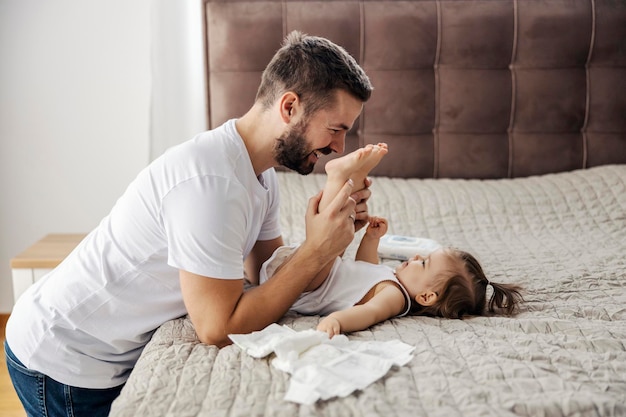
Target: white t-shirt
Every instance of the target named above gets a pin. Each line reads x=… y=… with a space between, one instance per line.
x=347 y=283
x=199 y=207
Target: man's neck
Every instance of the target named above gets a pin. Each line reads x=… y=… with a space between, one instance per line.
x=256 y=130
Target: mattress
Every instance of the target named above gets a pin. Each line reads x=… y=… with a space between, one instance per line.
x=561 y=236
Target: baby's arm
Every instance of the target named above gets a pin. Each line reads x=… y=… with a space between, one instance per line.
x=368 y=248
x=386 y=303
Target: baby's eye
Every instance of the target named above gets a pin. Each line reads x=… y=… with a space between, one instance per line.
x=424 y=263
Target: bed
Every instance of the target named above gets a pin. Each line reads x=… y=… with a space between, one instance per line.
x=509 y=141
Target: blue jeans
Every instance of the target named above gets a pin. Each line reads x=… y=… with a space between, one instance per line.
x=43 y=396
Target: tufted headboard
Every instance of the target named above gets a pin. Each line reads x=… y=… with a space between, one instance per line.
x=463 y=88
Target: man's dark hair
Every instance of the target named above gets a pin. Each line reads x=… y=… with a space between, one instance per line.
x=313 y=68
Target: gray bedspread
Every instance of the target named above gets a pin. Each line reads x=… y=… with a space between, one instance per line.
x=562 y=236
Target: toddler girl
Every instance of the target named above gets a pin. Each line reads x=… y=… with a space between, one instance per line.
x=356 y=294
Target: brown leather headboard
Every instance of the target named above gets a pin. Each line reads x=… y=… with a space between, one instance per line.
x=463 y=88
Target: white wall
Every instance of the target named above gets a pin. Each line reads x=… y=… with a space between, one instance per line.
x=178 y=106
x=75 y=90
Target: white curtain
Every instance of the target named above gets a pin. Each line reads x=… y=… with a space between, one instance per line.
x=178 y=102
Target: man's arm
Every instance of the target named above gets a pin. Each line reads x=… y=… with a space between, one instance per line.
x=219 y=307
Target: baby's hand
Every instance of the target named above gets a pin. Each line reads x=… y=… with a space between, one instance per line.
x=377 y=227
x=329 y=325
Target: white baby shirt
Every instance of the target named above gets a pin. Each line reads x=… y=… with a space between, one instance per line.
x=346 y=284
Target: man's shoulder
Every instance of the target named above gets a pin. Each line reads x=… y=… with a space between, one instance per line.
x=211 y=151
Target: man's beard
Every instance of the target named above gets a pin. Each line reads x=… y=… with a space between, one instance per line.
x=292 y=151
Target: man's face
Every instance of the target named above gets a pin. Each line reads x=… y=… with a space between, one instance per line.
x=321 y=133
x=293 y=150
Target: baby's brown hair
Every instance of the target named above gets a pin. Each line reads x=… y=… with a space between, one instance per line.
x=464 y=292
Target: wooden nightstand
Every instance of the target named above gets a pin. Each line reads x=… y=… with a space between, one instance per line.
x=39 y=259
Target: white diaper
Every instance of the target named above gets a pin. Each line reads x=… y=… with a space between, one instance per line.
x=323 y=368
x=270 y=266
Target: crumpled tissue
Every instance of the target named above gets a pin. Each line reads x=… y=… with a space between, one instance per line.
x=322 y=368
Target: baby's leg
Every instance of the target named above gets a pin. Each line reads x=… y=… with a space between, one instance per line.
x=355 y=165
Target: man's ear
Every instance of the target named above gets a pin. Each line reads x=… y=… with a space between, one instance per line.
x=427 y=298
x=289 y=106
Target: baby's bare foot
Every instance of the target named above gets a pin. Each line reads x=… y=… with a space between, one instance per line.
x=372 y=160
x=345 y=165
x=357 y=164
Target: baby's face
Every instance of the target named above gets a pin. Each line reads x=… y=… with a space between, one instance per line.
x=419 y=274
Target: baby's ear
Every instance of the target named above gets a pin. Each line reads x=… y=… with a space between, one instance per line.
x=426 y=299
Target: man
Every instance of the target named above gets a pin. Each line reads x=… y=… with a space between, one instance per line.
x=179 y=239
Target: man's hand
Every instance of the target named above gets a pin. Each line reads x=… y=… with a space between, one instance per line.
x=329 y=233
x=361 y=197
